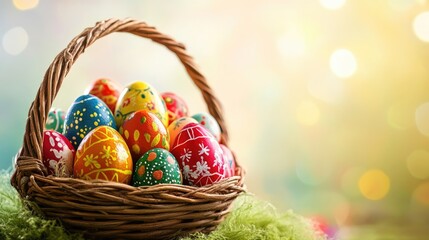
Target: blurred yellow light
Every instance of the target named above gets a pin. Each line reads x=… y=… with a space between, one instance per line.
x=418 y=164
x=343 y=63
x=25 y=4
x=307 y=113
x=421 y=193
x=422 y=118
x=15 y=41
x=421 y=26
x=374 y=184
x=332 y=4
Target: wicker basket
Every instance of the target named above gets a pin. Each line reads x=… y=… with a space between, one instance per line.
x=103 y=209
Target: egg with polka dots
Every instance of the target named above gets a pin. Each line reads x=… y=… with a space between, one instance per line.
x=140 y=96
x=142 y=131
x=86 y=113
x=156 y=166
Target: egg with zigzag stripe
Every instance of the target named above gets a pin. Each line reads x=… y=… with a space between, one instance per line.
x=103 y=154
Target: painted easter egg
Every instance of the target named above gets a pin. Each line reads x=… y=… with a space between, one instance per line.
x=156 y=166
x=142 y=131
x=140 y=96
x=86 y=113
x=175 y=127
x=106 y=90
x=208 y=122
x=229 y=161
x=103 y=154
x=176 y=106
x=55 y=120
x=58 y=154
x=199 y=156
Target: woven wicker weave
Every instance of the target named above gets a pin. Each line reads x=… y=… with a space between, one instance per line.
x=113 y=210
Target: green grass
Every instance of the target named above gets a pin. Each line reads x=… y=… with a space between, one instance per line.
x=250 y=219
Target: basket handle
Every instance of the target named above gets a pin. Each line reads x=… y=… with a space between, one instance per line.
x=28 y=160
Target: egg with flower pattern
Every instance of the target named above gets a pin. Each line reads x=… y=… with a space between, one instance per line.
x=103 y=154
x=86 y=113
x=209 y=123
x=176 y=106
x=55 y=120
x=58 y=154
x=142 y=131
x=106 y=90
x=175 y=127
x=156 y=166
x=199 y=155
x=140 y=96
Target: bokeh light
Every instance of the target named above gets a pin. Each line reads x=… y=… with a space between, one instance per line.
x=332 y=4
x=15 y=40
x=374 y=184
x=422 y=118
x=418 y=164
x=421 y=193
x=421 y=26
x=25 y=4
x=307 y=113
x=343 y=63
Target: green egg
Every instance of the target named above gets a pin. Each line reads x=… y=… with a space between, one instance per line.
x=157 y=166
x=55 y=120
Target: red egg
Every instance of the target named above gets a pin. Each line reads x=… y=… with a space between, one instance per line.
x=199 y=155
x=142 y=131
x=106 y=90
x=176 y=106
x=58 y=154
x=229 y=161
x=103 y=154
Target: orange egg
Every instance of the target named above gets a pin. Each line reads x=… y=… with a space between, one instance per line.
x=103 y=154
x=175 y=127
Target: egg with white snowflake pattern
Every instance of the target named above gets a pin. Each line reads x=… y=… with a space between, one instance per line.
x=156 y=166
x=199 y=155
x=58 y=154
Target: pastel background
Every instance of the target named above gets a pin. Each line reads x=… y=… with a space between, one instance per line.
x=327 y=102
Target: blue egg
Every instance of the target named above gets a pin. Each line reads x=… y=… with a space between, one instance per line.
x=86 y=113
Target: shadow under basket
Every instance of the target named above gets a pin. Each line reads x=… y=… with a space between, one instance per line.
x=102 y=209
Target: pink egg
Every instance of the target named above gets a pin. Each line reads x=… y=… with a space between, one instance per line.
x=58 y=154
x=199 y=155
x=229 y=161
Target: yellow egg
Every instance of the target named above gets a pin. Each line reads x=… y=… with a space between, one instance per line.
x=140 y=96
